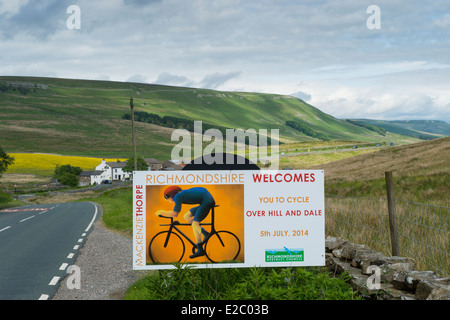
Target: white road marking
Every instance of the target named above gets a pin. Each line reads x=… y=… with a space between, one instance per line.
x=44 y=297
x=70 y=256
x=93 y=219
x=6 y=228
x=54 y=281
x=27 y=218
x=63 y=266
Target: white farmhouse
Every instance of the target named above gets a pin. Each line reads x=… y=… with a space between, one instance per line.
x=113 y=170
x=108 y=172
x=87 y=178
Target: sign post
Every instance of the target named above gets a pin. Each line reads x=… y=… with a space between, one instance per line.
x=257 y=218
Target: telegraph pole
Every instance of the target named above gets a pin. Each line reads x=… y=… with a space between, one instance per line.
x=133 y=135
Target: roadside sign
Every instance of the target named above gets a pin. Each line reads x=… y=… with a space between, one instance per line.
x=256 y=218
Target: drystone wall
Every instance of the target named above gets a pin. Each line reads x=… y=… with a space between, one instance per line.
x=377 y=276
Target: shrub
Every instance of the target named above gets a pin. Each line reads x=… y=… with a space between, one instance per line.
x=67 y=175
x=187 y=283
x=4 y=197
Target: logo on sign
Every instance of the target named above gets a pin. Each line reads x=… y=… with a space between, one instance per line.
x=284 y=255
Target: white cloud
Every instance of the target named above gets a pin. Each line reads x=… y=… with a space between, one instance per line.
x=301 y=95
x=137 y=78
x=215 y=80
x=11 y=7
x=320 y=49
x=392 y=96
x=172 y=79
x=443 y=22
x=210 y=81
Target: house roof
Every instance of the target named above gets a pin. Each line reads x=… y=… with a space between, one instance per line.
x=117 y=164
x=152 y=161
x=91 y=173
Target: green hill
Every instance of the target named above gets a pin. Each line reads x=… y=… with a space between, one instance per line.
x=421 y=129
x=86 y=117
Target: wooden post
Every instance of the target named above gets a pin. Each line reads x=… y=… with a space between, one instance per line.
x=133 y=137
x=392 y=213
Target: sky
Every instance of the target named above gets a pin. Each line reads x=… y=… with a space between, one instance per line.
x=340 y=56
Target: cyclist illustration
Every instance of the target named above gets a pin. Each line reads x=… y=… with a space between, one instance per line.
x=195 y=195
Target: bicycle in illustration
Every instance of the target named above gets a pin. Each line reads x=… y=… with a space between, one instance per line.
x=168 y=246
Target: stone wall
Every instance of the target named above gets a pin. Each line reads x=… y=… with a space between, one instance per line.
x=377 y=276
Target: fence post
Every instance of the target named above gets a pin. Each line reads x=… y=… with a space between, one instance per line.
x=392 y=213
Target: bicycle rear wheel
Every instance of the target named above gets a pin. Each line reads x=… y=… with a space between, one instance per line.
x=165 y=248
x=223 y=246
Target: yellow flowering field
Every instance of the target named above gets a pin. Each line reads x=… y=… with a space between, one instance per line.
x=42 y=164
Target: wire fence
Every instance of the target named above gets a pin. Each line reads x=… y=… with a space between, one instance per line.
x=423 y=230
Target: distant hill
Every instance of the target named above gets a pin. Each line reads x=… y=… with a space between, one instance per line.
x=425 y=156
x=437 y=127
x=86 y=117
x=421 y=172
x=421 y=129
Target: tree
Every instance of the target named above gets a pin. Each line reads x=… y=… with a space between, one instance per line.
x=68 y=179
x=67 y=175
x=141 y=164
x=5 y=161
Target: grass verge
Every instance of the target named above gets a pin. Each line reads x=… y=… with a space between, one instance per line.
x=117 y=209
x=6 y=201
x=186 y=283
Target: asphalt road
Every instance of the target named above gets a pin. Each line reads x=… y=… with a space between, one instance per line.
x=38 y=244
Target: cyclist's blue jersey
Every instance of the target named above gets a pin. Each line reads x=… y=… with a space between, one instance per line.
x=196 y=195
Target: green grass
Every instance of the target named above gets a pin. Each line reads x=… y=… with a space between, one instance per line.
x=430 y=189
x=83 y=117
x=117 y=209
x=185 y=283
x=308 y=160
x=6 y=201
x=5 y=198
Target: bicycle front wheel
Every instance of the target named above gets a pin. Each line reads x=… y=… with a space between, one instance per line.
x=166 y=247
x=223 y=246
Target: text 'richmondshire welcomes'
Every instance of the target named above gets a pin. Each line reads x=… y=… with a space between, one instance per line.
x=227 y=178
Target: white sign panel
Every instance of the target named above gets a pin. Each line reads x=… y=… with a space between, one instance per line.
x=228 y=218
